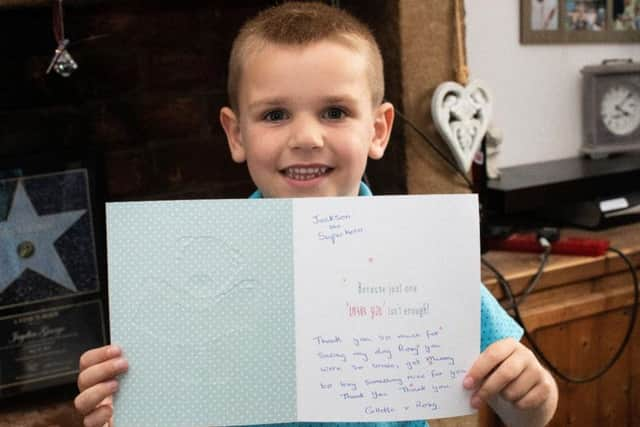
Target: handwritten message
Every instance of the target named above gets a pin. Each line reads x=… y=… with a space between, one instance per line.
x=387 y=373
x=334 y=227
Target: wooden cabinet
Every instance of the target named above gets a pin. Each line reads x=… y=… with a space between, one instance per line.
x=578 y=314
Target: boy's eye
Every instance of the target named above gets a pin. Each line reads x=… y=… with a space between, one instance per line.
x=275 y=116
x=334 y=113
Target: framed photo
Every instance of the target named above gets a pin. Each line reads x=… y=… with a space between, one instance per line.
x=52 y=258
x=579 y=21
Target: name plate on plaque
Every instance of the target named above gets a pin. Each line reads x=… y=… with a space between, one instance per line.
x=51 y=301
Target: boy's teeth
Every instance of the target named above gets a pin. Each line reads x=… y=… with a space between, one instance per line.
x=305 y=173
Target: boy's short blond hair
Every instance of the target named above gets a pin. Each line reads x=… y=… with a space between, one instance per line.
x=298 y=23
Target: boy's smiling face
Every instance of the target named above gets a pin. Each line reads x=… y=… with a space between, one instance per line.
x=305 y=122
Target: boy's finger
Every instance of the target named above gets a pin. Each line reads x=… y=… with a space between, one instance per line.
x=100 y=417
x=489 y=360
x=98 y=355
x=534 y=398
x=519 y=387
x=507 y=372
x=88 y=400
x=101 y=372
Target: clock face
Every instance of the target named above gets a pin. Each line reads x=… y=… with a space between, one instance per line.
x=620 y=109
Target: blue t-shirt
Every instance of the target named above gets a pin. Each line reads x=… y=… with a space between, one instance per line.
x=495 y=324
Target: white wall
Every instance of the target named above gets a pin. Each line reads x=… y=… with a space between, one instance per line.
x=537 y=88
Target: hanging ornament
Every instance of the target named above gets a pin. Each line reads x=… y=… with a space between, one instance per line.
x=62 y=62
x=461 y=115
x=462 y=110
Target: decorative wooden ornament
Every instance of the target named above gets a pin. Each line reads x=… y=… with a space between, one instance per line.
x=462 y=115
x=461 y=110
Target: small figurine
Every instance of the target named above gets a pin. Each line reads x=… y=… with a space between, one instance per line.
x=493 y=141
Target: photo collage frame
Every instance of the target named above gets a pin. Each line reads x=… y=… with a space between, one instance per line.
x=579 y=21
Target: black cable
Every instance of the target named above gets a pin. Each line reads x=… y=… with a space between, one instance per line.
x=534 y=280
x=634 y=313
x=433 y=145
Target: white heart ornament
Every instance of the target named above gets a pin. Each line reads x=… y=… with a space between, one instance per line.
x=462 y=115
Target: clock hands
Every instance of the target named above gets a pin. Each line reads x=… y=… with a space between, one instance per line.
x=622 y=110
x=629 y=95
x=619 y=105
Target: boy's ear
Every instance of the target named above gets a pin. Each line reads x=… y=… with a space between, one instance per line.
x=382 y=124
x=231 y=125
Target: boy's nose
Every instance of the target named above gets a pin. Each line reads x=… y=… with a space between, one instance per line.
x=306 y=134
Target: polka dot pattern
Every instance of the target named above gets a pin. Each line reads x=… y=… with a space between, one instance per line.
x=206 y=338
x=495 y=323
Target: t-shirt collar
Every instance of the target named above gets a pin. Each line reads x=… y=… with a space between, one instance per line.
x=363 y=191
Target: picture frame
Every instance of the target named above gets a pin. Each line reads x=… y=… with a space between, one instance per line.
x=53 y=296
x=579 y=21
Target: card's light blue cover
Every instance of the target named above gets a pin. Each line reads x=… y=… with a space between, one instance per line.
x=228 y=289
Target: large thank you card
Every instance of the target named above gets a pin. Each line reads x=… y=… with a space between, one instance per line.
x=236 y=312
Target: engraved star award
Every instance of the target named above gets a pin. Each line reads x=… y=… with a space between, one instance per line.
x=49 y=309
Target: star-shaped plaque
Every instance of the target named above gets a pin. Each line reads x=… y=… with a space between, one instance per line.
x=27 y=242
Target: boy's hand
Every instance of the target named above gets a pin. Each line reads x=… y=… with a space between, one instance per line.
x=511 y=371
x=97 y=384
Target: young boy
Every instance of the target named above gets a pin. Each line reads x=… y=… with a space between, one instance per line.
x=306 y=92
